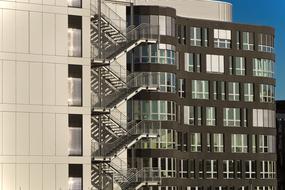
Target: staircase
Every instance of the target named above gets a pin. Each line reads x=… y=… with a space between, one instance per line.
x=112 y=85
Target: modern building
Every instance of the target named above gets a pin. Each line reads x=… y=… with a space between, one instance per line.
x=280 y=125
x=150 y=94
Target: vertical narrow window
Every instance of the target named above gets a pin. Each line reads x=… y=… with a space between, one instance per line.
x=248 y=92
x=189 y=115
x=248 y=41
x=210 y=116
x=74 y=36
x=162 y=25
x=218 y=139
x=233 y=91
x=200 y=89
x=192 y=169
x=74 y=3
x=250 y=169
x=238 y=39
x=181 y=88
x=196 y=145
x=228 y=169
x=74 y=85
x=205 y=37
x=195 y=36
x=209 y=142
x=75 y=135
x=75 y=175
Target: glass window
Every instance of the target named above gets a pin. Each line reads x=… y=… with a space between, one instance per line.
x=239 y=143
x=232 y=117
x=200 y=89
x=74 y=3
x=167 y=167
x=267 y=144
x=168 y=26
x=228 y=169
x=200 y=169
x=248 y=41
x=263 y=118
x=75 y=135
x=267 y=93
x=268 y=170
x=250 y=169
x=195 y=36
x=218 y=142
x=210 y=116
x=74 y=85
x=154 y=110
x=162 y=25
x=74 y=36
x=211 y=169
x=181 y=88
x=238 y=39
x=233 y=91
x=248 y=92
x=205 y=37
x=215 y=63
x=263 y=68
x=192 y=62
x=196 y=145
x=75 y=177
x=237 y=66
x=192 y=169
x=265 y=43
x=222 y=38
x=189 y=115
x=183 y=169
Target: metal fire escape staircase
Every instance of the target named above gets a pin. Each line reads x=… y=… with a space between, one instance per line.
x=112 y=85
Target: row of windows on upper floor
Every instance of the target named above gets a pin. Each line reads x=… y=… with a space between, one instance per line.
x=209 y=169
x=212 y=187
x=209 y=142
x=215 y=64
x=231 y=91
x=163 y=110
x=198 y=36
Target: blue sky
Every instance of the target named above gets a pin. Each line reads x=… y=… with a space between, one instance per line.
x=271 y=13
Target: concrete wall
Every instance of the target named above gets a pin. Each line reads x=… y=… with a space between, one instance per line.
x=200 y=9
x=33 y=95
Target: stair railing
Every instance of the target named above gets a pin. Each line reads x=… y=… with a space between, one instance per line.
x=109 y=15
x=150 y=128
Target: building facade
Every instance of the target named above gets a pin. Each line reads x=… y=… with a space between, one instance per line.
x=280 y=123
x=152 y=94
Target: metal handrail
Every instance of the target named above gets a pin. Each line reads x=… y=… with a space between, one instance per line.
x=140 y=32
x=111 y=16
x=141 y=128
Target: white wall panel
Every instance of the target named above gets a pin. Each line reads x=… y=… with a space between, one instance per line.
x=35 y=133
x=9 y=176
x=9 y=82
x=61 y=34
x=48 y=84
x=61 y=3
x=22 y=134
x=1 y=80
x=1 y=177
x=49 y=134
x=22 y=31
x=22 y=176
x=86 y=36
x=49 y=2
x=1 y=31
x=62 y=176
x=61 y=134
x=36 y=33
x=61 y=84
x=22 y=73
x=36 y=83
x=86 y=85
x=9 y=30
x=36 y=177
x=49 y=34
x=1 y=134
x=36 y=1
x=9 y=133
x=48 y=176
x=86 y=135
x=86 y=176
